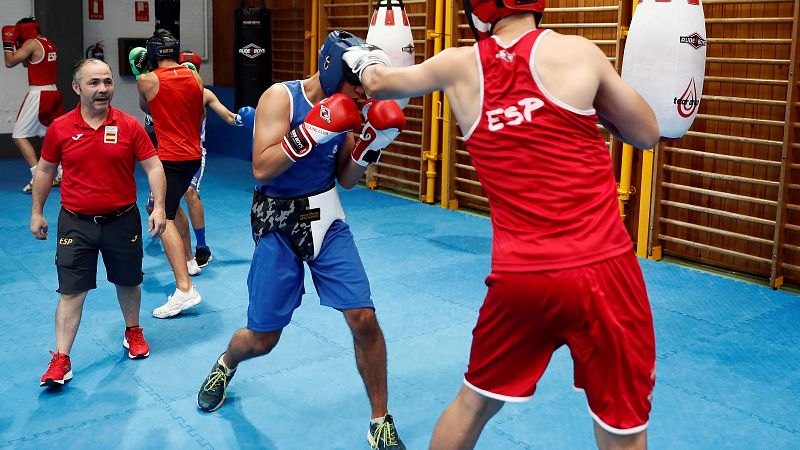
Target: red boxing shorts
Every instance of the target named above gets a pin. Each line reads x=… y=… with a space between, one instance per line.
x=600 y=311
x=41 y=106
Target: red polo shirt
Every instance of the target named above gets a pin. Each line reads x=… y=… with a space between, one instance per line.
x=98 y=164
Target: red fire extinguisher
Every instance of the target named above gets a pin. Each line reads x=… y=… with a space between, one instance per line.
x=95 y=51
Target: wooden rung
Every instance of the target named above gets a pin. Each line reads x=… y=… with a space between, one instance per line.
x=581 y=25
x=395 y=179
x=746 y=120
x=740 y=139
x=746 y=81
x=388 y=153
x=752 y=101
x=711 y=230
x=789 y=226
x=733 y=2
x=714 y=249
x=398 y=168
x=346 y=5
x=792 y=207
x=759 y=61
x=740 y=159
x=720 y=176
x=465 y=167
x=581 y=9
x=790 y=267
x=468 y=181
x=791 y=247
x=723 y=40
x=471 y=196
x=408 y=145
x=750 y=20
x=720 y=194
x=718 y=212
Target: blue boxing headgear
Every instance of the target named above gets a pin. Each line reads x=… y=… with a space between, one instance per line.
x=332 y=68
x=162 y=46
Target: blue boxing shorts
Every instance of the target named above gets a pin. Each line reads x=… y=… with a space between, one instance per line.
x=275 y=282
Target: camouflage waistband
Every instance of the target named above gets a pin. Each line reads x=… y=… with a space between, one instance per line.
x=290 y=217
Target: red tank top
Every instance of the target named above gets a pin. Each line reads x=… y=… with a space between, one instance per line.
x=546 y=171
x=177 y=111
x=43 y=72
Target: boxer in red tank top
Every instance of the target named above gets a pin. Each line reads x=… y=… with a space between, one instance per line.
x=173 y=95
x=23 y=44
x=563 y=272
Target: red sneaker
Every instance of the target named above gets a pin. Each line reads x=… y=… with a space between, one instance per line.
x=58 y=372
x=135 y=343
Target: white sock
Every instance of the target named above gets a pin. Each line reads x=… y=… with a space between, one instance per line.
x=33 y=170
x=377 y=421
x=222 y=363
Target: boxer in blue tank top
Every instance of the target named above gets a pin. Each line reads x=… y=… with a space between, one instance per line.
x=302 y=146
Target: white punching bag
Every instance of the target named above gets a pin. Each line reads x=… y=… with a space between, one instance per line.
x=390 y=30
x=665 y=58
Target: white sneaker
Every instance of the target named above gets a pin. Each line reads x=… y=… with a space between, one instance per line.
x=177 y=302
x=28 y=187
x=194 y=269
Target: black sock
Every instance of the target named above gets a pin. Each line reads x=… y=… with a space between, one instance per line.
x=129 y=328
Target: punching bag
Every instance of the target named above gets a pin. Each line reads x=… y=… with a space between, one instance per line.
x=390 y=30
x=252 y=47
x=665 y=58
x=168 y=16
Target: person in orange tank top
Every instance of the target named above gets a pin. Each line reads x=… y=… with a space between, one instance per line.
x=173 y=95
x=528 y=102
x=24 y=44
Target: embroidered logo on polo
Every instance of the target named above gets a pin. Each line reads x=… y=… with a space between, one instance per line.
x=110 y=134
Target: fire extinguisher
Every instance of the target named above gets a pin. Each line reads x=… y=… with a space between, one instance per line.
x=95 y=51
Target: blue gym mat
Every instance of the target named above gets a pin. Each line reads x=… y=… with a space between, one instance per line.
x=728 y=357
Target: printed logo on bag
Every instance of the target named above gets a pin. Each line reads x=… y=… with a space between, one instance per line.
x=110 y=134
x=694 y=39
x=325 y=113
x=252 y=51
x=688 y=103
x=408 y=49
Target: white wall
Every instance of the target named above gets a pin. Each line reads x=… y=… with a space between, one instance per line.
x=13 y=82
x=119 y=22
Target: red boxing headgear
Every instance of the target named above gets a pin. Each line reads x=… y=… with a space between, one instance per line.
x=28 y=28
x=483 y=14
x=192 y=57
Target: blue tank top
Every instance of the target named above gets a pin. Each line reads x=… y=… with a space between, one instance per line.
x=315 y=172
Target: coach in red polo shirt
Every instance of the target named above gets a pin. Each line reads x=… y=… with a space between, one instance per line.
x=97 y=147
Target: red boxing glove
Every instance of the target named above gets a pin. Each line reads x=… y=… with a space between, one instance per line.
x=385 y=121
x=10 y=38
x=329 y=118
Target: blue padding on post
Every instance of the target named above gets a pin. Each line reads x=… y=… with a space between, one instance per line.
x=225 y=139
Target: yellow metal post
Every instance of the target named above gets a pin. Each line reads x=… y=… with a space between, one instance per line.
x=645 y=197
x=447 y=202
x=626 y=169
x=433 y=150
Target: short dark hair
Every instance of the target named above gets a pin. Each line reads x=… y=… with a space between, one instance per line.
x=26 y=20
x=161 y=34
x=79 y=65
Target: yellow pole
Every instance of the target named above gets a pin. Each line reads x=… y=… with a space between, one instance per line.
x=432 y=154
x=313 y=36
x=645 y=193
x=447 y=202
x=624 y=190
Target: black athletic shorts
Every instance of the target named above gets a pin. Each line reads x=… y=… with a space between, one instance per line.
x=179 y=177
x=117 y=236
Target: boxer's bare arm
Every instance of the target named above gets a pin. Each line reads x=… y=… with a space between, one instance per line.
x=211 y=100
x=25 y=52
x=271 y=124
x=348 y=173
x=147 y=84
x=453 y=70
x=631 y=118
